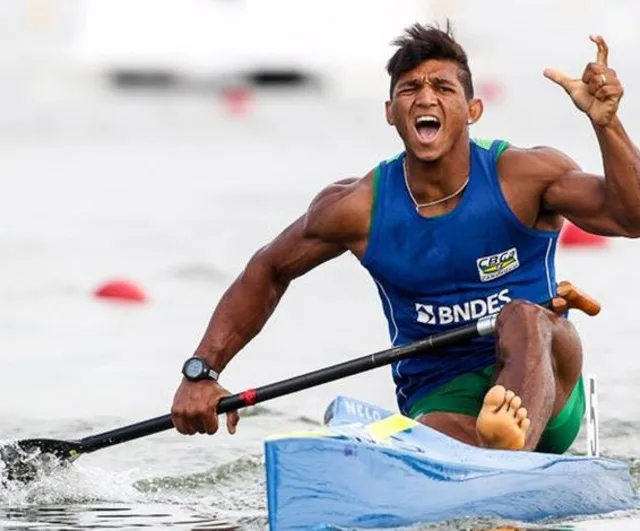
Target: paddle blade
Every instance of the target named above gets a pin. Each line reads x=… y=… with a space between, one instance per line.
x=25 y=460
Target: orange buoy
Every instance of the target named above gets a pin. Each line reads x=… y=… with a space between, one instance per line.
x=121 y=290
x=573 y=236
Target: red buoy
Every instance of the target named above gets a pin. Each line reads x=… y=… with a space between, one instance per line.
x=573 y=236
x=122 y=290
x=237 y=100
x=491 y=91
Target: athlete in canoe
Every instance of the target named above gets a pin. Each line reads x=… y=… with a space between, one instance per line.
x=451 y=229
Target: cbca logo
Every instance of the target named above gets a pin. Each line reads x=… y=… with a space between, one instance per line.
x=496 y=265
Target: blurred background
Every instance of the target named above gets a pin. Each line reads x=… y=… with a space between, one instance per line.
x=161 y=142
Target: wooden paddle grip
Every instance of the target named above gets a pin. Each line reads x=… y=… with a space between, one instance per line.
x=569 y=297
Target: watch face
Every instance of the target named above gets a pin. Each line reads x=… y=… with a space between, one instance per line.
x=193 y=368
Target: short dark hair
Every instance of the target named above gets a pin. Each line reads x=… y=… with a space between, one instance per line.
x=420 y=43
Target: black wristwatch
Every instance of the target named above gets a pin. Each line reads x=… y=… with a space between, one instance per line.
x=196 y=369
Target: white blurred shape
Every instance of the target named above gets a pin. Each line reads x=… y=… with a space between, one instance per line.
x=196 y=38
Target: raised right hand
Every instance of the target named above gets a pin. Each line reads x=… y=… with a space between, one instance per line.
x=194 y=408
x=598 y=92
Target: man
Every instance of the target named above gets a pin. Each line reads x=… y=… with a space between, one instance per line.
x=451 y=230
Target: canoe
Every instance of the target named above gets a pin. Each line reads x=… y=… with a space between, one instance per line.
x=371 y=468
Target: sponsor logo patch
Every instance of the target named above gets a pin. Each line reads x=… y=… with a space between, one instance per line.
x=471 y=310
x=497 y=265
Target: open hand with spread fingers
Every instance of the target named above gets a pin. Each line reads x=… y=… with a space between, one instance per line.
x=598 y=92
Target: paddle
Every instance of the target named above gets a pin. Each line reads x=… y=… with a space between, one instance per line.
x=23 y=458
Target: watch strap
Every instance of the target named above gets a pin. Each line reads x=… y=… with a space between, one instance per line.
x=212 y=374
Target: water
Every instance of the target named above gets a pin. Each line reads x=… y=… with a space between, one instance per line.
x=176 y=193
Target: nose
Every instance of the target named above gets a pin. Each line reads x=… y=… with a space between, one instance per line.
x=426 y=95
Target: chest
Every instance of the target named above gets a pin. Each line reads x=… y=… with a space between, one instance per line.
x=469 y=246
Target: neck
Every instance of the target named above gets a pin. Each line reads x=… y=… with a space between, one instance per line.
x=433 y=180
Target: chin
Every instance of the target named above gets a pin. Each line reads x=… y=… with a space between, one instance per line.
x=429 y=153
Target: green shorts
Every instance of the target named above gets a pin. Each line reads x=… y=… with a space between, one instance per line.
x=464 y=395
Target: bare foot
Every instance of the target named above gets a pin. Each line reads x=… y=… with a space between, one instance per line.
x=502 y=423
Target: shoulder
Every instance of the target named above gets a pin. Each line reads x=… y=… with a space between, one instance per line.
x=342 y=191
x=539 y=163
x=341 y=210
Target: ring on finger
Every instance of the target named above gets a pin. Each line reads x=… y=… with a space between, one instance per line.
x=603 y=76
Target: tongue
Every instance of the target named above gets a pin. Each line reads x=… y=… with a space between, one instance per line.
x=428 y=132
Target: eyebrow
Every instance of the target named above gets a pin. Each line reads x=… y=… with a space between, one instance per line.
x=410 y=83
x=419 y=81
x=442 y=81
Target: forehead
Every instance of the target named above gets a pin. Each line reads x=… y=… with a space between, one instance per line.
x=440 y=68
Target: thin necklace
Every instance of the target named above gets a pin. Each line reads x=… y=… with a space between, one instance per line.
x=420 y=206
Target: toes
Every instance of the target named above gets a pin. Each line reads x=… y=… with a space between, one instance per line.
x=508 y=397
x=514 y=403
x=521 y=414
x=524 y=425
x=495 y=397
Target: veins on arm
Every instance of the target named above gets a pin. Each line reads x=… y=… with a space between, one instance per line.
x=251 y=299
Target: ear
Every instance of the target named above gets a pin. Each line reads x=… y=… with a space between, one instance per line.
x=476 y=108
x=389 y=114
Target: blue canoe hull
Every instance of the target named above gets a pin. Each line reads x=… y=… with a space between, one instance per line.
x=371 y=468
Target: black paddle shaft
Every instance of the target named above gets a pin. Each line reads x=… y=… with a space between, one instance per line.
x=482 y=327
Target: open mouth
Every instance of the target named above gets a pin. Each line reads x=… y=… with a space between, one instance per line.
x=427 y=127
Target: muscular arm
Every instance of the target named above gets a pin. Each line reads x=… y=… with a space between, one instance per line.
x=321 y=234
x=609 y=206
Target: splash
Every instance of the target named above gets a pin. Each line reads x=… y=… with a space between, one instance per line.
x=69 y=485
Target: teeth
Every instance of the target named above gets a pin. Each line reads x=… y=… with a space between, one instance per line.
x=427 y=119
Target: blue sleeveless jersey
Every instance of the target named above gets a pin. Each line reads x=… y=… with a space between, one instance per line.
x=438 y=273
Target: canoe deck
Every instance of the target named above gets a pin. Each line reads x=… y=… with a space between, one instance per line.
x=371 y=468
